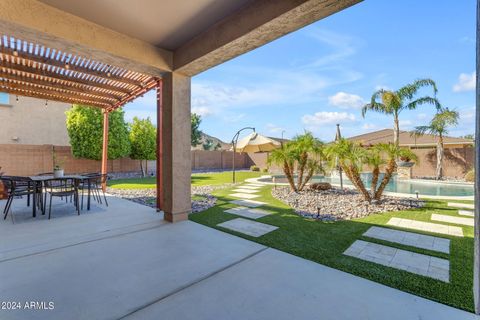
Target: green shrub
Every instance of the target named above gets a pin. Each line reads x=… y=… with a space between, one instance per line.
x=254 y=168
x=265 y=170
x=470 y=176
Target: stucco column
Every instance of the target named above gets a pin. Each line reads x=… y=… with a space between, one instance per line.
x=176 y=127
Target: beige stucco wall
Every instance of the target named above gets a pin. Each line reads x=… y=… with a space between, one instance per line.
x=33 y=123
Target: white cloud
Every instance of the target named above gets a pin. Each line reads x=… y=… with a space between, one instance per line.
x=405 y=124
x=382 y=87
x=342 y=46
x=274 y=128
x=202 y=111
x=466 y=82
x=345 y=100
x=324 y=117
x=467 y=116
x=422 y=116
x=369 y=126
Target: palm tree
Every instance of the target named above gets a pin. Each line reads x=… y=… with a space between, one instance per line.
x=390 y=153
x=439 y=127
x=305 y=153
x=374 y=159
x=350 y=156
x=394 y=102
x=305 y=149
x=284 y=157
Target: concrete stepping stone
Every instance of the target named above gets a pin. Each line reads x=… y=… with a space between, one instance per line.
x=426 y=226
x=410 y=239
x=243 y=195
x=461 y=205
x=248 y=227
x=467 y=213
x=248 y=212
x=255 y=185
x=417 y=263
x=452 y=219
x=245 y=190
x=248 y=203
x=250 y=187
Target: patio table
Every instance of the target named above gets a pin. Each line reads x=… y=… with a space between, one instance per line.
x=43 y=178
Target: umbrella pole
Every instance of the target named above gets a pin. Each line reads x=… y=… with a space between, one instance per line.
x=234 y=144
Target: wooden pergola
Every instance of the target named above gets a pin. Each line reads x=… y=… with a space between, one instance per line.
x=33 y=70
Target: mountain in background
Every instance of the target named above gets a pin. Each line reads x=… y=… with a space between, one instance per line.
x=208 y=142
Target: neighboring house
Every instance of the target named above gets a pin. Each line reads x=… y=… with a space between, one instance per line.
x=406 y=139
x=31 y=121
x=459 y=152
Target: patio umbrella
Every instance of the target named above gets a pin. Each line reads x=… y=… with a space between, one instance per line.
x=255 y=142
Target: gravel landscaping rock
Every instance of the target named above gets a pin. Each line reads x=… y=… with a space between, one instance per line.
x=147 y=197
x=336 y=204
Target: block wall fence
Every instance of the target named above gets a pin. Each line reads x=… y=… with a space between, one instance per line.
x=24 y=160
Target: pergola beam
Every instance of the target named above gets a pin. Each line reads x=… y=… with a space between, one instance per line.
x=45 y=96
x=44 y=89
x=69 y=66
x=61 y=84
x=55 y=75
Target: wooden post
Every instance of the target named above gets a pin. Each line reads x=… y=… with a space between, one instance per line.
x=159 y=147
x=105 y=150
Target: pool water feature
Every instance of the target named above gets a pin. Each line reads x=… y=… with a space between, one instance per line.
x=423 y=187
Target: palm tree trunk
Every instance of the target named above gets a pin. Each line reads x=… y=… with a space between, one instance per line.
x=390 y=169
x=288 y=173
x=375 y=175
x=301 y=169
x=307 y=178
x=440 y=153
x=396 y=130
x=354 y=177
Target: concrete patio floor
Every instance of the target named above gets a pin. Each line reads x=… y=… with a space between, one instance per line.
x=125 y=262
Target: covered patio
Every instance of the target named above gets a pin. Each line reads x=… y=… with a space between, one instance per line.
x=127 y=261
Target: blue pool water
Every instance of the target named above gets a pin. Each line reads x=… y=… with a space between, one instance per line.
x=400 y=186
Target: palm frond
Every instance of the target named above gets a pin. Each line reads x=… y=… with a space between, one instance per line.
x=423 y=100
x=410 y=90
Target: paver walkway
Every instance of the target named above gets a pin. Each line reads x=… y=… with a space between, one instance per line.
x=248 y=203
x=248 y=227
x=248 y=212
x=410 y=239
x=417 y=263
x=244 y=195
x=461 y=205
x=241 y=190
x=426 y=226
x=467 y=213
x=452 y=219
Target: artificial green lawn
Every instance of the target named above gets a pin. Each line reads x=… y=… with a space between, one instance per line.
x=198 y=179
x=324 y=242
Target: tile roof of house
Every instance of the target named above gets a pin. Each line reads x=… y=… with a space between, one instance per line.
x=406 y=139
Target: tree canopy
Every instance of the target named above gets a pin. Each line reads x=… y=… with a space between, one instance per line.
x=143 y=139
x=394 y=102
x=85 y=129
x=196 y=133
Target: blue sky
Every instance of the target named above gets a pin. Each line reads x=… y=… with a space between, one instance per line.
x=322 y=74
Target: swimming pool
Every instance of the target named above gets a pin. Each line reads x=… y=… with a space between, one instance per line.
x=423 y=187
